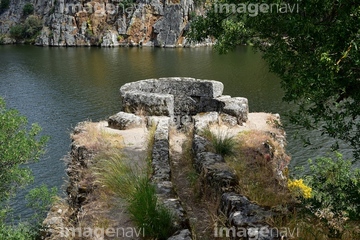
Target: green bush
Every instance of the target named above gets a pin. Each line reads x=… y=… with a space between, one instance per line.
x=28 y=9
x=19 y=232
x=335 y=194
x=19 y=144
x=336 y=186
x=27 y=31
x=4 y=4
x=222 y=143
x=17 y=31
x=40 y=200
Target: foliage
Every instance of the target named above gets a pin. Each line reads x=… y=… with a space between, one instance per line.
x=117 y=175
x=222 y=143
x=299 y=188
x=336 y=187
x=156 y=220
x=131 y=183
x=18 y=145
x=20 y=232
x=4 y=4
x=28 y=9
x=40 y=199
x=311 y=45
x=27 y=31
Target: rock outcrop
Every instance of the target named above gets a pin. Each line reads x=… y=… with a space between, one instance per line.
x=107 y=23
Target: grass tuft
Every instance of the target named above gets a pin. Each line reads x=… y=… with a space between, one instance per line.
x=147 y=213
x=130 y=182
x=222 y=143
x=117 y=175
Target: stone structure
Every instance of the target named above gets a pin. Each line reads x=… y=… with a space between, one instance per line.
x=159 y=101
x=180 y=96
x=161 y=177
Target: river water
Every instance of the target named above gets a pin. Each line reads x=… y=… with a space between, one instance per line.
x=59 y=87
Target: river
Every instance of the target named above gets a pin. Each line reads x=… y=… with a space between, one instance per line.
x=59 y=87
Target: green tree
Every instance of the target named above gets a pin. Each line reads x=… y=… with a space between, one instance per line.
x=19 y=144
x=311 y=45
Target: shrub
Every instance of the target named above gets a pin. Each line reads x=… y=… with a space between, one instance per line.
x=336 y=186
x=27 y=31
x=299 y=188
x=28 y=9
x=19 y=232
x=40 y=200
x=32 y=27
x=4 y=4
x=222 y=143
x=17 y=31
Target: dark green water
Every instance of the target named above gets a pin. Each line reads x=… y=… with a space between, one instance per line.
x=58 y=87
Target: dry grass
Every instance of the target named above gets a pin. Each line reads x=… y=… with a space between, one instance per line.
x=95 y=138
x=254 y=164
x=196 y=197
x=256 y=158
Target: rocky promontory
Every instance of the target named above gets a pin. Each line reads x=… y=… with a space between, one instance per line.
x=165 y=124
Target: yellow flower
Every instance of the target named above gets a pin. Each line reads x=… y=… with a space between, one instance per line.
x=299 y=188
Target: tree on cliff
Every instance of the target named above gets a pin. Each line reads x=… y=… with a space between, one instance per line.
x=19 y=144
x=313 y=46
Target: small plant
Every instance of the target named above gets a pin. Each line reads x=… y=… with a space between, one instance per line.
x=19 y=232
x=299 y=188
x=131 y=183
x=335 y=195
x=146 y=212
x=193 y=177
x=28 y=9
x=222 y=143
x=117 y=175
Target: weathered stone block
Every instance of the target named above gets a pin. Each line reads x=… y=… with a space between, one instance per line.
x=148 y=103
x=199 y=144
x=243 y=214
x=169 y=96
x=237 y=107
x=202 y=120
x=205 y=159
x=124 y=121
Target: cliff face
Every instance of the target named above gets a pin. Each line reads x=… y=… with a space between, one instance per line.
x=106 y=23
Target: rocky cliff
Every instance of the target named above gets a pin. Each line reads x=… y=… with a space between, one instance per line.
x=105 y=23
